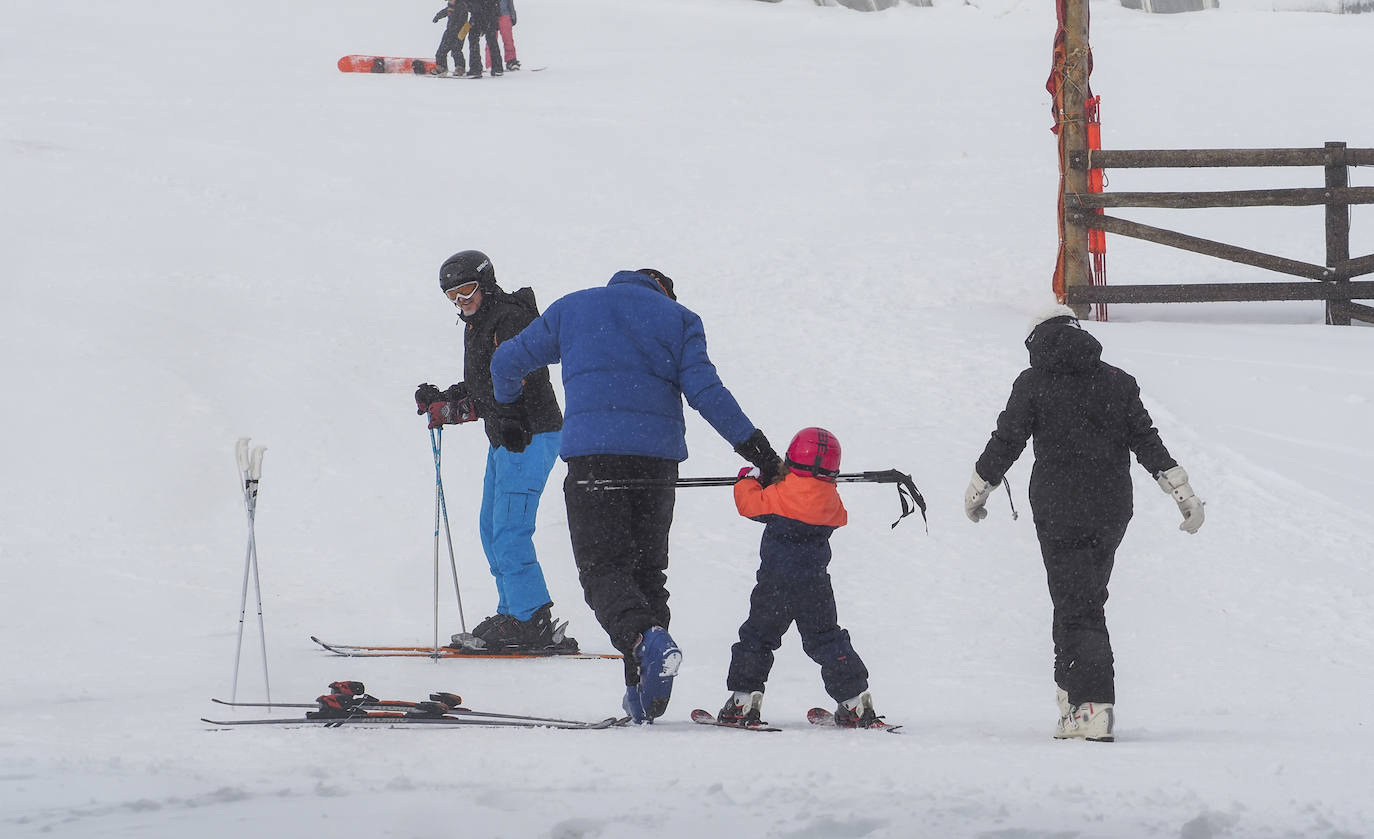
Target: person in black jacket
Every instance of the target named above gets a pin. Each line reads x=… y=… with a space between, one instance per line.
x=486 y=15
x=452 y=41
x=516 y=470
x=1087 y=419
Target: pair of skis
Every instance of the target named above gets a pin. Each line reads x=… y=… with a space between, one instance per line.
x=378 y=651
x=443 y=709
x=815 y=716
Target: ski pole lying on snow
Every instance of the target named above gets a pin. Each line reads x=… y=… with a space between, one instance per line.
x=907 y=493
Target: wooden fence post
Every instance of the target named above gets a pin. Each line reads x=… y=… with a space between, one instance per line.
x=1073 y=134
x=1337 y=226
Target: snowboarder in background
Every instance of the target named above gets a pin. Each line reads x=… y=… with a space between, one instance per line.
x=452 y=41
x=799 y=513
x=506 y=24
x=630 y=353
x=516 y=470
x=1086 y=418
x=485 y=14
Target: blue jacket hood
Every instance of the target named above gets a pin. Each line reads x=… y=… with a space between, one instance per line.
x=635 y=278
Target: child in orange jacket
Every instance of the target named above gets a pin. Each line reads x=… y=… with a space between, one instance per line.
x=799 y=513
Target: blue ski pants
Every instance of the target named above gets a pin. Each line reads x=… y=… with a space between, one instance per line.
x=511 y=489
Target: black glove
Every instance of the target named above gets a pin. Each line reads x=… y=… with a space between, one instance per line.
x=426 y=395
x=514 y=427
x=758 y=451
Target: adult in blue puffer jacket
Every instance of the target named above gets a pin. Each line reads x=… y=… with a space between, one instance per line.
x=630 y=354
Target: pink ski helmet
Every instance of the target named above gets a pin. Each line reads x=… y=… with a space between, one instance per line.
x=814 y=452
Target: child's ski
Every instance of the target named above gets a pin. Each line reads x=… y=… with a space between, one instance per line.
x=820 y=716
x=707 y=718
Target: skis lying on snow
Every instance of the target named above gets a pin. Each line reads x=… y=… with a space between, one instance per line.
x=707 y=718
x=403 y=718
x=377 y=650
x=348 y=704
x=820 y=716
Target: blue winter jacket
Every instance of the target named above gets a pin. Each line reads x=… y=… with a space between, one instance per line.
x=629 y=354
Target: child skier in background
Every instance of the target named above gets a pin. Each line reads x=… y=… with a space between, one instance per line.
x=799 y=513
x=455 y=32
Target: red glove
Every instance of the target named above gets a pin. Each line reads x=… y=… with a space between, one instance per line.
x=452 y=413
x=748 y=472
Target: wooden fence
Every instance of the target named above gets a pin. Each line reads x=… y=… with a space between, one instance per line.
x=1333 y=282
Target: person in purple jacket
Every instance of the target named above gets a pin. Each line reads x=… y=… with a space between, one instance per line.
x=630 y=355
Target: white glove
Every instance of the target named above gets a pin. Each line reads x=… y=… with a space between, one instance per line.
x=976 y=496
x=1175 y=482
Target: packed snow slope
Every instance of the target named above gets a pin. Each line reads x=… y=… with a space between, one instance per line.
x=209 y=232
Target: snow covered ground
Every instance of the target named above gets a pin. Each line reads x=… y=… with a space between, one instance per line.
x=209 y=232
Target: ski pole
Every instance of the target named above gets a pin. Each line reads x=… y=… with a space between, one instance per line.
x=255 y=469
x=907 y=493
x=452 y=559
x=436 y=442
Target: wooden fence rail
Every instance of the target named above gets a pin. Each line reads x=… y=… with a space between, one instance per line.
x=1334 y=281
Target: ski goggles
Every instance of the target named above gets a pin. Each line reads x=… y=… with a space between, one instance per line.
x=463 y=293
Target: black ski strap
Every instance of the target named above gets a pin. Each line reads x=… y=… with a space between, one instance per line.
x=907 y=493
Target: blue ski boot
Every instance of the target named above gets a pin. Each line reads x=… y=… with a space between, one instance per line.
x=659 y=660
x=634 y=708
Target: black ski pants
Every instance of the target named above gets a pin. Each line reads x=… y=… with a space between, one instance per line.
x=620 y=544
x=780 y=597
x=1078 y=567
x=486 y=16
x=451 y=43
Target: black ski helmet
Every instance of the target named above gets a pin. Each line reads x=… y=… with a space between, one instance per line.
x=466 y=266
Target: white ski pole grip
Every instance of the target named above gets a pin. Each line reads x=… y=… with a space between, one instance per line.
x=255 y=463
x=241 y=453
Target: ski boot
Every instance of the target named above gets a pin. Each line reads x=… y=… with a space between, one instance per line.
x=743 y=708
x=858 y=713
x=506 y=632
x=634 y=706
x=1092 y=721
x=659 y=660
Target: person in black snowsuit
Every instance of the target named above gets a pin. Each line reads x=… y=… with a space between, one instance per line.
x=1087 y=419
x=452 y=41
x=486 y=16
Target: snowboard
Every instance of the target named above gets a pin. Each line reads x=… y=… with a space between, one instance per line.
x=384 y=64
